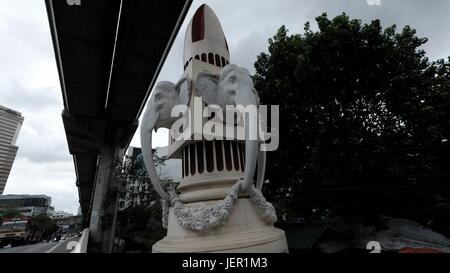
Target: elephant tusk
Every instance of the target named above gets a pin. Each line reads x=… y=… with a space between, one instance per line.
x=146 y=143
x=251 y=149
x=261 y=169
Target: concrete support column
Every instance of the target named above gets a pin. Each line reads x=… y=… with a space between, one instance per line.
x=103 y=205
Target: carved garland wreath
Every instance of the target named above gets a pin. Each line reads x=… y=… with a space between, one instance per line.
x=201 y=216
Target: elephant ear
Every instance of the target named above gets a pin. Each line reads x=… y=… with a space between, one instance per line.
x=184 y=94
x=150 y=118
x=162 y=96
x=206 y=85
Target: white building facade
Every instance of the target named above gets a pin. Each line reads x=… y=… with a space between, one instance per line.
x=10 y=124
x=61 y=215
x=136 y=190
x=27 y=205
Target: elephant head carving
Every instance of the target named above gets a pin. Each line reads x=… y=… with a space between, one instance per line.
x=234 y=86
x=164 y=97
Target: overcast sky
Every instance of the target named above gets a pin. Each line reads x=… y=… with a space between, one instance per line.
x=29 y=80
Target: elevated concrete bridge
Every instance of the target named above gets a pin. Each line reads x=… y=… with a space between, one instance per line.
x=109 y=54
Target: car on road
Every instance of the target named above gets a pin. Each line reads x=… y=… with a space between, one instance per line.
x=57 y=238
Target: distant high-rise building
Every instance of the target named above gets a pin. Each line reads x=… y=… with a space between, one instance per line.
x=169 y=171
x=10 y=124
x=61 y=215
x=133 y=187
x=27 y=205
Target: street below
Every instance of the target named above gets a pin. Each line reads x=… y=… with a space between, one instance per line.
x=51 y=247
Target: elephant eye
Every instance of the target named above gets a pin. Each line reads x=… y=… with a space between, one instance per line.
x=232 y=79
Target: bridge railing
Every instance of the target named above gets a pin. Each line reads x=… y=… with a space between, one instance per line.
x=80 y=246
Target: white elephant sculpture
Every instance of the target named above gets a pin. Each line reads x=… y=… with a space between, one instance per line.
x=234 y=86
x=158 y=115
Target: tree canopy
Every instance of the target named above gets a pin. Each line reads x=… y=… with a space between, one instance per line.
x=364 y=121
x=43 y=224
x=12 y=213
x=139 y=220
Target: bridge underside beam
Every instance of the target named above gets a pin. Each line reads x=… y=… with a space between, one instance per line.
x=109 y=54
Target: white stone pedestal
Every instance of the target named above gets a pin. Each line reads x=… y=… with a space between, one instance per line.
x=244 y=232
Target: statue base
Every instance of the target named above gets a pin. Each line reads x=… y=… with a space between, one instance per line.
x=244 y=232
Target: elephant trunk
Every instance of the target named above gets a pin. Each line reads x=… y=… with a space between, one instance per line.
x=261 y=169
x=251 y=151
x=146 y=143
x=251 y=148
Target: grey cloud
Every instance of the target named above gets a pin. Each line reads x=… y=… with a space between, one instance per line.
x=42 y=136
x=56 y=180
x=429 y=18
x=32 y=99
x=248 y=48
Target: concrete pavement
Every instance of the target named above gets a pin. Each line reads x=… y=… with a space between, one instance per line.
x=52 y=247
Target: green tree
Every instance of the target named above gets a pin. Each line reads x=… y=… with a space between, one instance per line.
x=139 y=223
x=44 y=225
x=364 y=121
x=10 y=213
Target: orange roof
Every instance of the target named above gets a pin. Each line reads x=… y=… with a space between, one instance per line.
x=419 y=250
